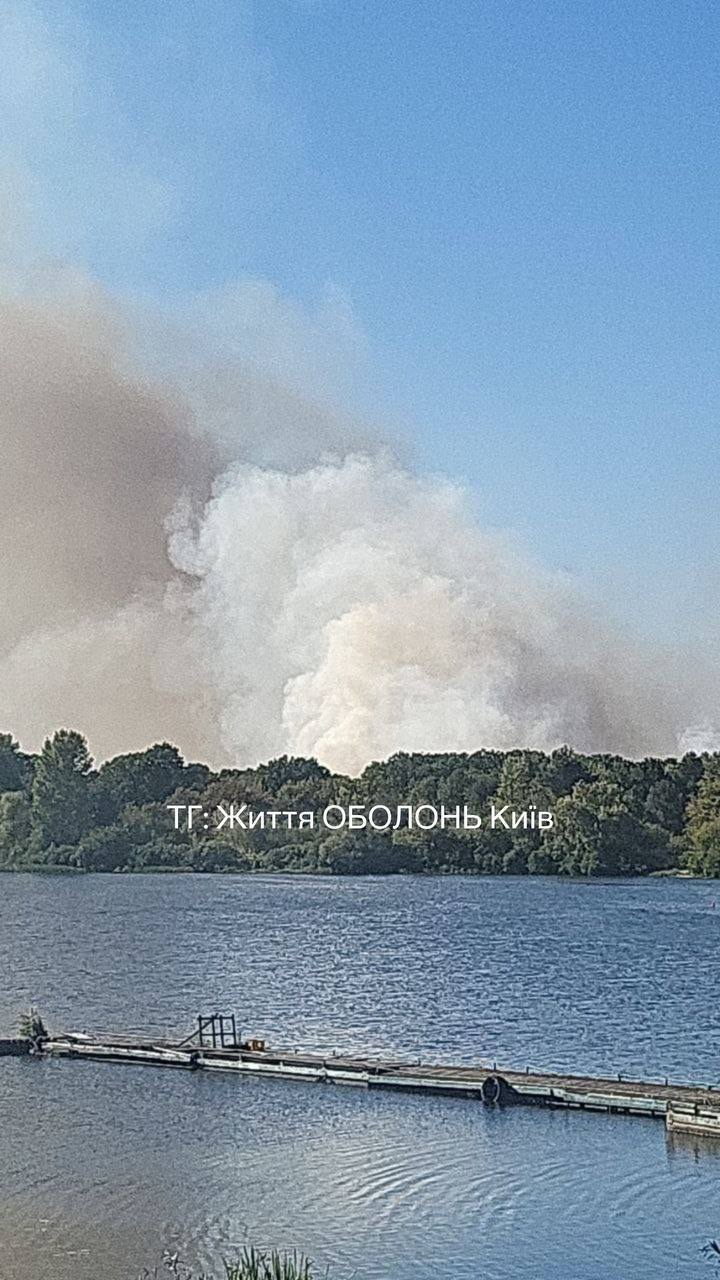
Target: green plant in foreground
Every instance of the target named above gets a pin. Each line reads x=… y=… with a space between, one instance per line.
x=32 y=1026
x=253 y=1264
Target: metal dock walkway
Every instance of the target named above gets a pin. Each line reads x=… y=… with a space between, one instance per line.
x=694 y=1107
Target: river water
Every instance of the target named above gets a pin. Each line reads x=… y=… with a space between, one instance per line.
x=102 y=1166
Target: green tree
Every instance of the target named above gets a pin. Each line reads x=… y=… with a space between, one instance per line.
x=702 y=831
x=61 y=802
x=346 y=853
x=563 y=769
x=105 y=849
x=15 y=826
x=597 y=835
x=13 y=764
x=138 y=778
x=521 y=786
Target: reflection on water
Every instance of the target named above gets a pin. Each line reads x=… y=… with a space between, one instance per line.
x=117 y=1161
x=101 y=1165
x=692 y=1146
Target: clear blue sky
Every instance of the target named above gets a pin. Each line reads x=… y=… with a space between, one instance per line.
x=521 y=201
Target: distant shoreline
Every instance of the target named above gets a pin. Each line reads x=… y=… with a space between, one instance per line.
x=38 y=869
x=519 y=812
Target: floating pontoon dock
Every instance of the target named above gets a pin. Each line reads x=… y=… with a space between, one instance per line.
x=692 y=1108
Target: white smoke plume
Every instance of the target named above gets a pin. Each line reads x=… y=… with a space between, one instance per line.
x=354 y=609
x=314 y=597
x=197 y=543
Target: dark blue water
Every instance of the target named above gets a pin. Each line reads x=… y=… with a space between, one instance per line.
x=100 y=1166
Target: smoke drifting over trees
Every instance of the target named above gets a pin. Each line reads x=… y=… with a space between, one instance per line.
x=200 y=541
x=196 y=547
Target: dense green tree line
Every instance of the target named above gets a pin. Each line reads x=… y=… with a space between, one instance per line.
x=612 y=816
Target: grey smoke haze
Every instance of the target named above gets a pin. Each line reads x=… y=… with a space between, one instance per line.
x=100 y=456
x=198 y=541
x=197 y=546
x=93 y=463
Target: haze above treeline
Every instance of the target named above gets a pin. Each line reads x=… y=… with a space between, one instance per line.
x=612 y=816
x=392 y=492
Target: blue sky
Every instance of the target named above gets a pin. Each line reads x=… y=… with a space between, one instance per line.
x=520 y=202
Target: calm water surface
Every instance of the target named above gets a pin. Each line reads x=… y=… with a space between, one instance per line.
x=101 y=1165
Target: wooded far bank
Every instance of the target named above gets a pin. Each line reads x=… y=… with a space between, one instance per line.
x=611 y=816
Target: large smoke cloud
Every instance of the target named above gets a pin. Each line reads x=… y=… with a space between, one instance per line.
x=197 y=546
x=354 y=610
x=101 y=455
x=196 y=543
x=94 y=461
